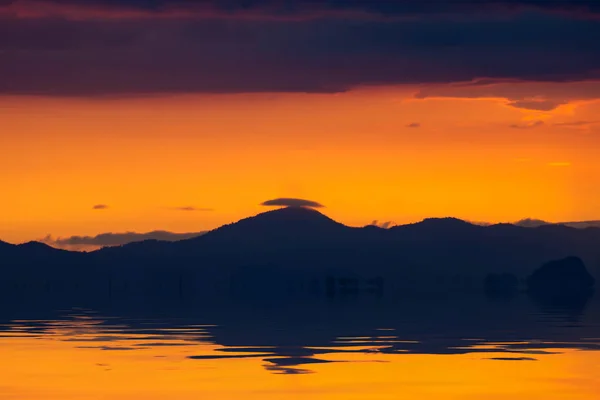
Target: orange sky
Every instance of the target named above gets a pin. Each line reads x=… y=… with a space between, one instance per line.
x=353 y=152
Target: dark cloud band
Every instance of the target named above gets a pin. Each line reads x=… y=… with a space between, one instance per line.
x=139 y=56
x=307 y=8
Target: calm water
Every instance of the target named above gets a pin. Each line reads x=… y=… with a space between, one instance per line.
x=470 y=348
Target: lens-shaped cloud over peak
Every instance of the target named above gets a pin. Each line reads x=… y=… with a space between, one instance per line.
x=291 y=202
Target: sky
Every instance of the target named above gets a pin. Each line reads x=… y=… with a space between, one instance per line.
x=176 y=116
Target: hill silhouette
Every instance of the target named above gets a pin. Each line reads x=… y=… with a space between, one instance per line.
x=25 y=253
x=307 y=248
x=535 y=223
x=285 y=224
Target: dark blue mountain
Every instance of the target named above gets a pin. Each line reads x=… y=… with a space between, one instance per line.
x=303 y=245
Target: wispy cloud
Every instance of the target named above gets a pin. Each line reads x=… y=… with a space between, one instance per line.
x=579 y=125
x=576 y=123
x=383 y=225
x=528 y=125
x=414 y=125
x=559 y=164
x=191 y=209
x=537 y=105
x=541 y=96
x=100 y=207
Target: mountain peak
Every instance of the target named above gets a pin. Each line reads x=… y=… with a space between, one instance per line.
x=5 y=244
x=37 y=246
x=283 y=224
x=531 y=223
x=288 y=218
x=440 y=226
x=449 y=222
x=294 y=212
x=445 y=220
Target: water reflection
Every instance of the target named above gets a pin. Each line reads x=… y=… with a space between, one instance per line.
x=323 y=338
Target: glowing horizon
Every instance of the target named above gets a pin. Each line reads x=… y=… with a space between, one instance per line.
x=163 y=163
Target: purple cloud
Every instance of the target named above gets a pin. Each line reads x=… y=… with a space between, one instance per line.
x=138 y=56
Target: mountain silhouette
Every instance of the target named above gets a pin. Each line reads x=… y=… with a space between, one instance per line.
x=32 y=251
x=309 y=249
x=531 y=223
x=535 y=223
x=284 y=224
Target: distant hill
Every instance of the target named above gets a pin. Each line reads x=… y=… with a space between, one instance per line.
x=534 y=223
x=11 y=254
x=531 y=223
x=303 y=245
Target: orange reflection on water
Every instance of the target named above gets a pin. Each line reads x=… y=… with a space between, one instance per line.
x=76 y=362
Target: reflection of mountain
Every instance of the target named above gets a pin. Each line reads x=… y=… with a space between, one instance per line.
x=290 y=337
x=300 y=249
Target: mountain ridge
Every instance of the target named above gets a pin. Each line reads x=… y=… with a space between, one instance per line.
x=302 y=212
x=302 y=239
x=294 y=250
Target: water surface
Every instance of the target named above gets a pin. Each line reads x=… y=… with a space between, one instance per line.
x=467 y=348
